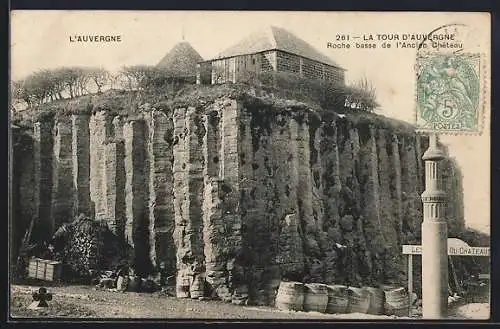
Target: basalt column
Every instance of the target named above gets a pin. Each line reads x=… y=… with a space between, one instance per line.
x=247 y=204
x=114 y=179
x=291 y=251
x=331 y=190
x=188 y=192
x=22 y=189
x=101 y=129
x=81 y=163
x=396 y=188
x=262 y=235
x=179 y=175
x=136 y=193
x=230 y=196
x=161 y=210
x=396 y=194
x=315 y=127
x=114 y=172
x=386 y=256
x=43 y=156
x=314 y=266
x=350 y=204
x=213 y=226
x=410 y=189
x=62 y=190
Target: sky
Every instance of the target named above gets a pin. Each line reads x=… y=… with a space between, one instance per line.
x=41 y=40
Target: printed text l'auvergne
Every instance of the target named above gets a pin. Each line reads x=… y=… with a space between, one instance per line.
x=95 y=38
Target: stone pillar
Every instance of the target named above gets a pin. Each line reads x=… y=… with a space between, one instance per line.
x=161 y=210
x=43 y=149
x=136 y=193
x=188 y=192
x=230 y=205
x=62 y=190
x=194 y=182
x=314 y=266
x=332 y=186
x=179 y=176
x=434 y=238
x=115 y=187
x=81 y=163
x=290 y=252
x=212 y=216
x=100 y=130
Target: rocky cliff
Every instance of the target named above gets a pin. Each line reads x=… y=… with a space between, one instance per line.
x=238 y=190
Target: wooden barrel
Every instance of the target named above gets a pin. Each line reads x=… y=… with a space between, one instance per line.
x=395 y=292
x=377 y=298
x=197 y=288
x=315 y=297
x=182 y=288
x=290 y=296
x=396 y=302
x=338 y=299
x=359 y=300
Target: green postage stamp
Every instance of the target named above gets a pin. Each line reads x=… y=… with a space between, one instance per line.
x=449 y=98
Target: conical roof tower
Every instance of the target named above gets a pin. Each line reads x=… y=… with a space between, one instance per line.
x=181 y=60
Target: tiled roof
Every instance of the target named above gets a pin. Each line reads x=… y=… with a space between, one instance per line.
x=181 y=60
x=278 y=38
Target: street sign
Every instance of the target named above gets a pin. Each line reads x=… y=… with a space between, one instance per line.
x=411 y=249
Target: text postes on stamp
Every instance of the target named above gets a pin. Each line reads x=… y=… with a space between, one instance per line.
x=448 y=93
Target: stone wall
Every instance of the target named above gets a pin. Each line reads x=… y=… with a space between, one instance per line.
x=239 y=194
x=308 y=68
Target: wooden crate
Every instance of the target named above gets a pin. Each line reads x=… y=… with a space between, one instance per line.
x=43 y=269
x=53 y=271
x=32 y=267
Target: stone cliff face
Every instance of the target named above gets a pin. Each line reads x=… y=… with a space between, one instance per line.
x=240 y=193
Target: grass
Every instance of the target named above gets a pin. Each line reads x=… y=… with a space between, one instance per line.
x=131 y=103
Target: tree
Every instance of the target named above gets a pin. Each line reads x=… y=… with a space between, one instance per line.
x=362 y=96
x=115 y=80
x=100 y=77
x=69 y=77
x=38 y=87
x=18 y=93
x=133 y=77
x=82 y=81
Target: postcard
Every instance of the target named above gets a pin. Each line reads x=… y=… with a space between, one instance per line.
x=235 y=165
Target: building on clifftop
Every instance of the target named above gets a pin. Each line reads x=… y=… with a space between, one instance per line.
x=270 y=49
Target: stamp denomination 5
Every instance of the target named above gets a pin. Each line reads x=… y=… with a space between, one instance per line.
x=448 y=92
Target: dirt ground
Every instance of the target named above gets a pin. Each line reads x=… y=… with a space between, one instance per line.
x=88 y=303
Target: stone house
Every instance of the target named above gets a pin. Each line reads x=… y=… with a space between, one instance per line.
x=270 y=49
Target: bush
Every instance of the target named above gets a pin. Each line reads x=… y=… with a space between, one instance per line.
x=325 y=94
